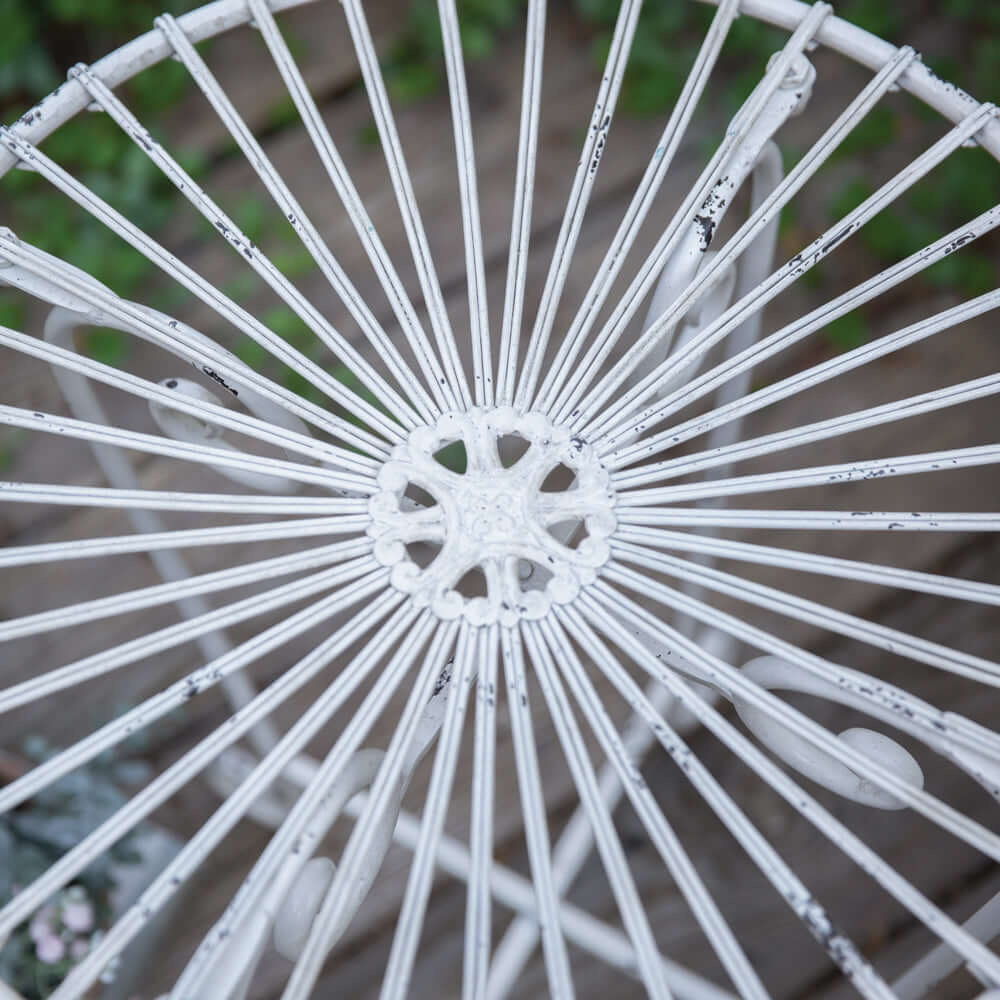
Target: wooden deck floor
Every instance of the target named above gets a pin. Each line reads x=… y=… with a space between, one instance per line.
x=787 y=959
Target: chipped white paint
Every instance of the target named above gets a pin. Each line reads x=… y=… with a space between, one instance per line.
x=496 y=516
x=575 y=569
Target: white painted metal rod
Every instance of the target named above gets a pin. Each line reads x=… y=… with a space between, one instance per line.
x=210 y=359
x=223 y=503
x=520 y=227
x=334 y=914
x=428 y=364
x=95 y=665
x=223 y=305
x=468 y=194
x=821 y=430
x=820 y=475
x=194 y=853
x=610 y=848
x=479 y=902
x=569 y=404
x=187 y=451
x=809 y=562
x=410 y=921
x=744 y=248
x=802 y=902
x=810 y=520
x=761 y=217
x=579 y=197
x=236 y=420
x=292 y=210
x=140 y=598
x=512 y=889
x=802 y=381
x=172 y=696
x=642 y=201
x=402 y=186
x=922 y=908
x=529 y=782
x=892 y=640
x=242 y=534
x=182 y=771
x=697 y=387
x=261 y=264
x=598 y=399
x=726 y=678
x=946 y=732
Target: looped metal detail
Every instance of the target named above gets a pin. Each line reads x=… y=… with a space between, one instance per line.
x=511 y=518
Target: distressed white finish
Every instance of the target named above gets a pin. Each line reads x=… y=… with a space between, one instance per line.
x=495 y=516
x=564 y=502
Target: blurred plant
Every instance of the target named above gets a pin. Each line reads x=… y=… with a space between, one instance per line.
x=40 y=953
x=38 y=41
x=41 y=36
x=415 y=66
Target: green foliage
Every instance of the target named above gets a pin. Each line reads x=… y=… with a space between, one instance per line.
x=11 y=310
x=875 y=131
x=39 y=40
x=34 y=836
x=415 y=67
x=109 y=346
x=877 y=16
x=848 y=331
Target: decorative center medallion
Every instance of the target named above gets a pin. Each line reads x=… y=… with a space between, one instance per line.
x=493 y=515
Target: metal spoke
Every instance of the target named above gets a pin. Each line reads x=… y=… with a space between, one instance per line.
x=717 y=673
x=419 y=506
x=195 y=760
x=411 y=914
x=840 y=948
x=524 y=186
x=283 y=197
x=579 y=198
x=403 y=188
x=815 y=375
x=217 y=363
x=948 y=732
x=792 y=792
x=808 y=562
x=263 y=266
x=811 y=255
x=198 y=681
x=128 y=601
x=183 y=866
x=668 y=242
x=476 y=963
x=533 y=810
x=244 y=534
x=610 y=848
x=838 y=474
x=642 y=201
x=115 y=657
x=812 y=520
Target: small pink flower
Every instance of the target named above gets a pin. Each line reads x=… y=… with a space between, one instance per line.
x=78 y=916
x=50 y=949
x=79 y=948
x=41 y=924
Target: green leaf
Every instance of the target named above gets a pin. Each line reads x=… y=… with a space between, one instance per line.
x=413 y=80
x=875 y=131
x=11 y=310
x=108 y=346
x=847 y=332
